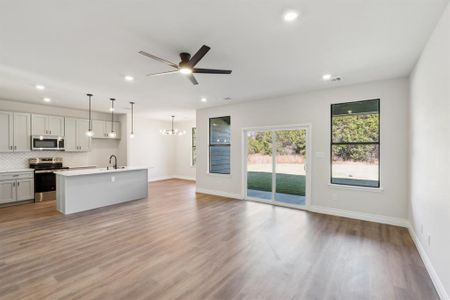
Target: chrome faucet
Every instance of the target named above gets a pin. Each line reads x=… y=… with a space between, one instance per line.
x=115 y=161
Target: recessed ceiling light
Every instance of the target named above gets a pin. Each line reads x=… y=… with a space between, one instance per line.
x=204 y=99
x=290 y=15
x=129 y=78
x=326 y=77
x=39 y=87
x=47 y=99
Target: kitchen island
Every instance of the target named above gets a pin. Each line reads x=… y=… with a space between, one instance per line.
x=85 y=189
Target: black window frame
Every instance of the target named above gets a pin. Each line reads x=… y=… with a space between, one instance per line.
x=193 y=146
x=210 y=145
x=378 y=143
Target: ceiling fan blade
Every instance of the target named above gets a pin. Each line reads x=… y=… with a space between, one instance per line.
x=210 y=71
x=162 y=73
x=192 y=79
x=199 y=55
x=159 y=59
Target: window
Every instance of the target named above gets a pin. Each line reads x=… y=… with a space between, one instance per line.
x=355 y=143
x=219 y=145
x=194 y=146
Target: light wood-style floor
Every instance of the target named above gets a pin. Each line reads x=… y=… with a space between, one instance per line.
x=179 y=245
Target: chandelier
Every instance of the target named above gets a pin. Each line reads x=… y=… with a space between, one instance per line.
x=172 y=131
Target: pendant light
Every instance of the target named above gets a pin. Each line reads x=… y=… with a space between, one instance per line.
x=112 y=134
x=90 y=133
x=132 y=120
x=173 y=131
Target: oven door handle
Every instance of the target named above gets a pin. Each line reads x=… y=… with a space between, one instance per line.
x=43 y=171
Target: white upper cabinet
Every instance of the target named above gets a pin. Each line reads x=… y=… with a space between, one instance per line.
x=47 y=125
x=6 y=131
x=14 y=131
x=22 y=132
x=76 y=138
x=103 y=128
x=99 y=128
x=83 y=141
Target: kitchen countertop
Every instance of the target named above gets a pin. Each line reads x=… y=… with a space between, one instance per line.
x=80 y=172
x=16 y=170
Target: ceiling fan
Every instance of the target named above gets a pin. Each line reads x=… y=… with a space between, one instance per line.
x=187 y=64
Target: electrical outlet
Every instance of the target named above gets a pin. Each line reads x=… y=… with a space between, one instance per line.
x=429 y=240
x=113 y=178
x=334 y=197
x=421 y=229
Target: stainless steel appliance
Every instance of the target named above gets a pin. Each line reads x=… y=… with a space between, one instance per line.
x=44 y=177
x=45 y=143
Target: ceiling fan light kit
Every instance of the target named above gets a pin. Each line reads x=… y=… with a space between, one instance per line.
x=187 y=65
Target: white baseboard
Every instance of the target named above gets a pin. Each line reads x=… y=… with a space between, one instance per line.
x=159 y=178
x=219 y=193
x=427 y=262
x=183 y=177
x=359 y=215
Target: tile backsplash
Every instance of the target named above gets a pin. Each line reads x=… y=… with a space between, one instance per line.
x=19 y=160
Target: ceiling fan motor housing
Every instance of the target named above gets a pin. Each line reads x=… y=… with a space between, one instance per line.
x=185 y=57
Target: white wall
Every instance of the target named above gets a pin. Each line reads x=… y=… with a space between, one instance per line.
x=149 y=148
x=183 y=152
x=430 y=152
x=314 y=108
x=98 y=156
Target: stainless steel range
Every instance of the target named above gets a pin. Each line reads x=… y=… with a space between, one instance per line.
x=44 y=177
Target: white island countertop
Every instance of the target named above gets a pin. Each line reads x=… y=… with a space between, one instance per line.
x=85 y=189
x=79 y=172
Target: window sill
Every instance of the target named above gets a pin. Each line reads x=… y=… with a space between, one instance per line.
x=218 y=174
x=356 y=188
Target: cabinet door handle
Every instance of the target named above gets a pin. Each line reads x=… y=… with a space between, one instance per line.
x=18 y=183
x=14 y=184
x=15 y=147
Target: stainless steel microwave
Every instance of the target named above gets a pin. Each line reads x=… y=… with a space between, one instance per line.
x=47 y=143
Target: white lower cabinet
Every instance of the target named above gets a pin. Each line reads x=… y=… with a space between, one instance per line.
x=24 y=189
x=16 y=187
x=7 y=191
x=76 y=139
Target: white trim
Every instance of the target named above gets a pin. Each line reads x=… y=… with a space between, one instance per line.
x=359 y=215
x=356 y=188
x=219 y=193
x=183 y=177
x=159 y=178
x=427 y=262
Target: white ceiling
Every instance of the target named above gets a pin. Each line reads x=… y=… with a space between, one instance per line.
x=75 y=47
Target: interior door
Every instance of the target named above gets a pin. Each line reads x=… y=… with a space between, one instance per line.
x=6 y=131
x=22 y=132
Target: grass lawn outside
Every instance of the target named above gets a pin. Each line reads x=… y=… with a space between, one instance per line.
x=286 y=183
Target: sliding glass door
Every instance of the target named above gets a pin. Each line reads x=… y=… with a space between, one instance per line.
x=276 y=165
